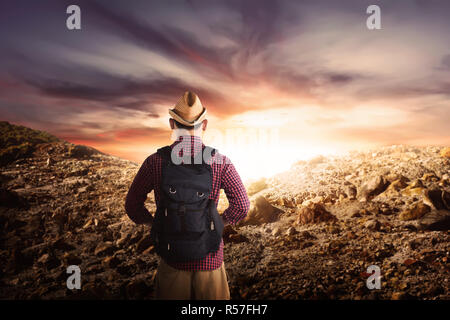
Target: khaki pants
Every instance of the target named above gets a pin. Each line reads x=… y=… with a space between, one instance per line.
x=174 y=284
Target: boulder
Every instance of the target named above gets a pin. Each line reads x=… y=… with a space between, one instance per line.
x=375 y=185
x=261 y=211
x=437 y=199
x=314 y=213
x=350 y=191
x=417 y=211
x=81 y=151
x=445 y=152
x=435 y=220
x=256 y=186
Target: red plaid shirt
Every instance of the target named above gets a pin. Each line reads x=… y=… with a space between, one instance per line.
x=224 y=176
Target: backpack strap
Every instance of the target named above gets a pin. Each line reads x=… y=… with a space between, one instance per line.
x=165 y=152
x=208 y=152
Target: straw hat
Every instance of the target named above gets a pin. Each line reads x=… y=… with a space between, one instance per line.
x=188 y=110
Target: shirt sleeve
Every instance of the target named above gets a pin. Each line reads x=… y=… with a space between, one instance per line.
x=137 y=194
x=239 y=204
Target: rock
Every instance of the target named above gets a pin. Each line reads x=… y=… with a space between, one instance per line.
x=261 y=211
x=317 y=160
x=149 y=250
x=82 y=189
x=11 y=199
x=398 y=296
x=350 y=235
x=332 y=229
x=257 y=186
x=314 y=213
x=237 y=238
x=373 y=225
x=62 y=244
x=445 y=152
x=227 y=232
x=48 y=261
x=104 y=248
x=394 y=188
x=93 y=291
x=137 y=289
x=351 y=192
x=276 y=232
x=414 y=190
x=429 y=177
x=122 y=242
x=438 y=220
x=144 y=243
x=437 y=199
x=417 y=211
x=372 y=187
x=125 y=269
x=445 y=196
x=71 y=259
x=231 y=235
x=291 y=231
x=81 y=151
x=50 y=161
x=289 y=202
x=307 y=235
x=279 y=202
x=111 y=262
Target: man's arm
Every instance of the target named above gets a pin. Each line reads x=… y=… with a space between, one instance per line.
x=137 y=194
x=239 y=204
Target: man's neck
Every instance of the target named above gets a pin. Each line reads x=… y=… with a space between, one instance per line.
x=177 y=133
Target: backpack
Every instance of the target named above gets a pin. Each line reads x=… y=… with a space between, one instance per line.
x=187 y=225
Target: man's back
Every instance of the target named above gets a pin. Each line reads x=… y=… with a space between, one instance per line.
x=224 y=176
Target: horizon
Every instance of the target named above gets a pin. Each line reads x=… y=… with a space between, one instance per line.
x=282 y=81
x=248 y=180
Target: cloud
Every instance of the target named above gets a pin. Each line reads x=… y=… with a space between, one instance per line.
x=445 y=64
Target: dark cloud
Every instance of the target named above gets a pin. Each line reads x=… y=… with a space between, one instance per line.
x=167 y=39
x=410 y=90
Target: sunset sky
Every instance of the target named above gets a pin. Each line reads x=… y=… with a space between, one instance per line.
x=281 y=80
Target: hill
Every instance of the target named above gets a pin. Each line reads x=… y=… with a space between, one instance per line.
x=311 y=232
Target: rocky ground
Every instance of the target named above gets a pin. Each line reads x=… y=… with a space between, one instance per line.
x=311 y=232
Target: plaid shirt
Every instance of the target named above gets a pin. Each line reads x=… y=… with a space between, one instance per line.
x=225 y=177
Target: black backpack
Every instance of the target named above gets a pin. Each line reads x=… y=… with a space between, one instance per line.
x=187 y=225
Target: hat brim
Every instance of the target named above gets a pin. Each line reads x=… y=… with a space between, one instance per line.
x=178 y=118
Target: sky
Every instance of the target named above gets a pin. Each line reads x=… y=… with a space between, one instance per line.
x=281 y=80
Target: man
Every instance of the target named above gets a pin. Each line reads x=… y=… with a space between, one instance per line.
x=205 y=277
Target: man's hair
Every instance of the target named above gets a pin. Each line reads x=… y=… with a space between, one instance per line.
x=182 y=126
